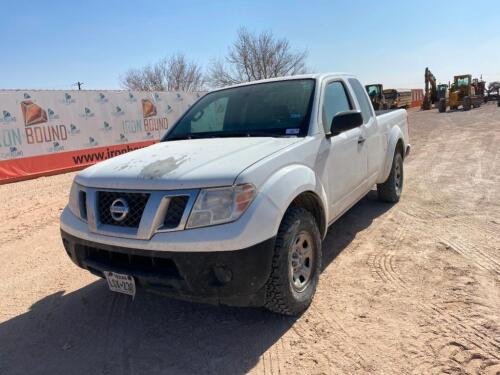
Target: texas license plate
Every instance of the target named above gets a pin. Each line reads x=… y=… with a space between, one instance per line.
x=120 y=283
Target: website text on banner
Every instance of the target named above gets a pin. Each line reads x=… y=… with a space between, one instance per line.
x=47 y=132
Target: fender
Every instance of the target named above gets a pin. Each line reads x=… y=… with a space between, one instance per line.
x=394 y=136
x=289 y=182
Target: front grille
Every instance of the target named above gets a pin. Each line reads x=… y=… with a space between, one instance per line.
x=175 y=211
x=131 y=263
x=136 y=203
x=83 y=204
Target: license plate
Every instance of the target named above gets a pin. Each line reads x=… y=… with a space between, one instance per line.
x=120 y=283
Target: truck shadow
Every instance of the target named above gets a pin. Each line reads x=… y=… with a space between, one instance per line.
x=93 y=331
x=345 y=229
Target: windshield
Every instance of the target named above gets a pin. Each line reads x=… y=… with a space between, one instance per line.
x=463 y=81
x=265 y=109
x=373 y=90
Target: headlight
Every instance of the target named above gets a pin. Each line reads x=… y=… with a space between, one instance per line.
x=76 y=204
x=220 y=205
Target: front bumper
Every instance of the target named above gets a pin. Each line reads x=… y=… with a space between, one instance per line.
x=222 y=277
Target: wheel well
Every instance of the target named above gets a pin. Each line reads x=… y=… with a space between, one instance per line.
x=400 y=147
x=312 y=203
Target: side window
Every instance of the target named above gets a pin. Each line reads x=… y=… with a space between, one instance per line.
x=212 y=117
x=335 y=100
x=365 y=104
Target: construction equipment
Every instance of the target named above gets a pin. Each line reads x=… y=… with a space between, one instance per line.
x=493 y=92
x=430 y=96
x=376 y=94
x=442 y=91
x=397 y=98
x=464 y=92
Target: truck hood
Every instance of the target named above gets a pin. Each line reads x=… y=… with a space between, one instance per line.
x=183 y=164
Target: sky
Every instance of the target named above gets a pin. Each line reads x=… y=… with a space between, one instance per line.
x=53 y=44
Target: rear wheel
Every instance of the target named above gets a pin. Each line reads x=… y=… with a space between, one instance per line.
x=296 y=264
x=391 y=189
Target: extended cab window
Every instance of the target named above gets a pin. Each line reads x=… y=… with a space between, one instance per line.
x=363 y=101
x=335 y=100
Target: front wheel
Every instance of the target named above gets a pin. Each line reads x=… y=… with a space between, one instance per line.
x=391 y=189
x=296 y=264
x=442 y=105
x=467 y=103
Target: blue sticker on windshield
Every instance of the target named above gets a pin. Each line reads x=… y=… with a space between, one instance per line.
x=294 y=115
x=292 y=131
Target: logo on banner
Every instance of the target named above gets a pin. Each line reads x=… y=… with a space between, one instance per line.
x=52 y=114
x=67 y=99
x=73 y=130
x=179 y=97
x=12 y=153
x=118 y=111
x=106 y=127
x=91 y=143
x=131 y=98
x=56 y=146
x=156 y=97
x=87 y=112
x=168 y=110
x=101 y=98
x=32 y=113
x=148 y=108
x=122 y=138
x=6 y=117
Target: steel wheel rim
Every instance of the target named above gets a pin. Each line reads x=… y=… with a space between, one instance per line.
x=301 y=261
x=398 y=173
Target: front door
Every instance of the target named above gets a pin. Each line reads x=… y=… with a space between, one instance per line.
x=346 y=162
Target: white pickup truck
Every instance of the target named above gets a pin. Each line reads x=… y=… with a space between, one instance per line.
x=232 y=205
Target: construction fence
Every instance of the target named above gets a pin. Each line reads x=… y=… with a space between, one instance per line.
x=46 y=132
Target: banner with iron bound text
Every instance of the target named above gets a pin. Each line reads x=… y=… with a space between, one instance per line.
x=45 y=132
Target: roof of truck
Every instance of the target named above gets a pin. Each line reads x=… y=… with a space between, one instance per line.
x=317 y=76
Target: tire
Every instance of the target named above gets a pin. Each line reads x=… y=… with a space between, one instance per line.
x=284 y=294
x=498 y=103
x=390 y=191
x=442 y=105
x=467 y=103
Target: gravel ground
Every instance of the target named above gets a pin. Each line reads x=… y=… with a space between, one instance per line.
x=409 y=288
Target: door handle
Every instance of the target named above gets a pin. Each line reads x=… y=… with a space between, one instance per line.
x=361 y=140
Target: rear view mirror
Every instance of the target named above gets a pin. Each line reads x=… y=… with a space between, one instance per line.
x=344 y=121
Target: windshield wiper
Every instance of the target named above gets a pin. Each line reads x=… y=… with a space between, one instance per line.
x=250 y=133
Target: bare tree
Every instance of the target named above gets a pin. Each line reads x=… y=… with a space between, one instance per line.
x=253 y=57
x=175 y=73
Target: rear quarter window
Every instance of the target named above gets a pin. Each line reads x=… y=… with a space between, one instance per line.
x=363 y=101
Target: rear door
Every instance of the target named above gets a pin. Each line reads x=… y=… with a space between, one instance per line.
x=346 y=162
x=372 y=139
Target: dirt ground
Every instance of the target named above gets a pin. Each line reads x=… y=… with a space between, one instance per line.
x=412 y=288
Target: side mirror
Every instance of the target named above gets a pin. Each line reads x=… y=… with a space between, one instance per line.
x=344 y=121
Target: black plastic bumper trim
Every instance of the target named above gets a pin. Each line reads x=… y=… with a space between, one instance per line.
x=233 y=277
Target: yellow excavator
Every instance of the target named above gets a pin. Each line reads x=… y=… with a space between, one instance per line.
x=465 y=92
x=430 y=96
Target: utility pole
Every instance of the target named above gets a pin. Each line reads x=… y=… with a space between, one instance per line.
x=79 y=84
